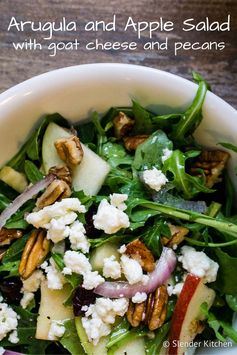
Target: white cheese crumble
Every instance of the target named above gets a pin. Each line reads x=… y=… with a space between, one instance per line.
x=111 y=268
x=109 y=218
x=99 y=317
x=13 y=338
x=58 y=209
x=131 y=269
x=198 y=264
x=175 y=290
x=122 y=249
x=79 y=263
x=8 y=320
x=139 y=297
x=166 y=154
x=78 y=238
x=117 y=200
x=154 y=178
x=55 y=279
x=56 y=330
x=30 y=286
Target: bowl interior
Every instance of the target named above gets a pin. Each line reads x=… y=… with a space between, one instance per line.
x=75 y=92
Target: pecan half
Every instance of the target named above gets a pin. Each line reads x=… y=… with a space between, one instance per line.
x=122 y=125
x=8 y=235
x=151 y=312
x=177 y=236
x=62 y=173
x=212 y=163
x=69 y=150
x=137 y=250
x=57 y=190
x=131 y=143
x=36 y=249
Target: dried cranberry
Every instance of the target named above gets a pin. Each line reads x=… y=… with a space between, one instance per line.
x=82 y=297
x=91 y=231
x=11 y=289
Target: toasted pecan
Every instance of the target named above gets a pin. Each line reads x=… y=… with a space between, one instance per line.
x=137 y=250
x=57 y=190
x=177 y=236
x=69 y=150
x=8 y=235
x=62 y=173
x=212 y=162
x=122 y=124
x=131 y=143
x=36 y=249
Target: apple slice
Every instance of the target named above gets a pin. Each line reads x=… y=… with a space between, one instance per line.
x=184 y=324
x=52 y=308
x=88 y=176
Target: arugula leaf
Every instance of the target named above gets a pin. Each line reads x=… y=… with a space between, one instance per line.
x=31 y=147
x=232 y=302
x=189 y=185
x=221 y=328
x=14 y=252
x=17 y=220
x=229 y=146
x=192 y=117
x=86 y=132
x=4 y=202
x=8 y=191
x=11 y=267
x=143 y=119
x=152 y=236
x=70 y=339
x=226 y=282
x=32 y=172
x=107 y=119
x=115 y=154
x=149 y=153
x=153 y=346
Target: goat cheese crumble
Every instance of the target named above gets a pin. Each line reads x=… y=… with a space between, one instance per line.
x=154 y=178
x=79 y=263
x=139 y=297
x=111 y=268
x=131 y=269
x=55 y=279
x=199 y=264
x=56 y=330
x=8 y=320
x=78 y=238
x=109 y=218
x=117 y=200
x=30 y=286
x=100 y=316
x=13 y=338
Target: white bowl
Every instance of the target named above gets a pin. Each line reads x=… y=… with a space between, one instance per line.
x=74 y=92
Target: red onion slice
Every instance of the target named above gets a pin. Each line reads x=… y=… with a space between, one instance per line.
x=24 y=197
x=164 y=267
x=9 y=352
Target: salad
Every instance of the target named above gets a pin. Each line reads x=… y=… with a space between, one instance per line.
x=118 y=236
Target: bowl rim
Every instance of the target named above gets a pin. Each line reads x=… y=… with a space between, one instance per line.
x=59 y=73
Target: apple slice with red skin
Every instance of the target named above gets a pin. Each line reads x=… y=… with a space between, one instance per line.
x=186 y=316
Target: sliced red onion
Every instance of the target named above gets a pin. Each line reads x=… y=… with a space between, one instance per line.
x=9 y=352
x=164 y=267
x=24 y=197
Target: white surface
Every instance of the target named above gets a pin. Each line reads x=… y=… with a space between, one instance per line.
x=75 y=92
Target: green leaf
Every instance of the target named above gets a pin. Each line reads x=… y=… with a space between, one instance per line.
x=226 y=280
x=229 y=146
x=192 y=117
x=18 y=219
x=149 y=153
x=70 y=340
x=11 y=267
x=152 y=236
x=153 y=346
x=4 y=202
x=14 y=252
x=143 y=119
x=86 y=132
x=189 y=185
x=232 y=301
x=115 y=154
x=32 y=172
x=221 y=328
